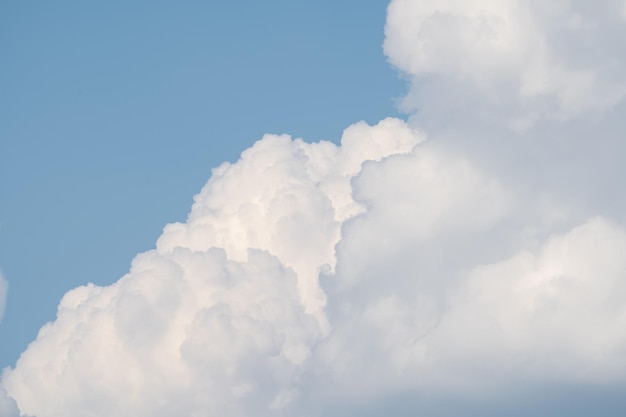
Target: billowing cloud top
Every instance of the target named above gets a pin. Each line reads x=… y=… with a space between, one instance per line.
x=554 y=59
x=8 y=408
x=311 y=278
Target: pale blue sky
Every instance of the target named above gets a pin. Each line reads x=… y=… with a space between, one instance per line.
x=113 y=114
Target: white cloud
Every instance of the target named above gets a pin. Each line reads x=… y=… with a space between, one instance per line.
x=524 y=60
x=4 y=287
x=8 y=408
x=451 y=282
x=223 y=316
x=440 y=315
x=559 y=312
x=315 y=277
x=435 y=275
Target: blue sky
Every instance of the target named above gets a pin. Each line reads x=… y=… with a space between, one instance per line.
x=453 y=246
x=114 y=114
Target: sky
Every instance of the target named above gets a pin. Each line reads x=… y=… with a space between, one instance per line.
x=446 y=239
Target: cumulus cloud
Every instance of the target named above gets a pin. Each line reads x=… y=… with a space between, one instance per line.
x=526 y=60
x=312 y=277
x=429 y=318
x=316 y=273
x=223 y=316
x=8 y=408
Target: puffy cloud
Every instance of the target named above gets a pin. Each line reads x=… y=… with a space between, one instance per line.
x=451 y=282
x=287 y=197
x=312 y=277
x=184 y=332
x=4 y=287
x=432 y=318
x=223 y=316
x=322 y=274
x=8 y=408
x=525 y=60
x=567 y=293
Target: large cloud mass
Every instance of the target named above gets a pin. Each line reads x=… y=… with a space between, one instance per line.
x=526 y=59
x=317 y=277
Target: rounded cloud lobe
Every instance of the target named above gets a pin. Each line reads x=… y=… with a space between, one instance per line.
x=308 y=273
x=8 y=408
x=525 y=60
x=311 y=277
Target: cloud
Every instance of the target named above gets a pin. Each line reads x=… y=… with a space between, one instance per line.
x=431 y=319
x=4 y=288
x=323 y=274
x=223 y=316
x=475 y=270
x=8 y=407
x=526 y=60
x=452 y=283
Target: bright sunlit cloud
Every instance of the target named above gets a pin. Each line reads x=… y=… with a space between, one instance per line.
x=526 y=61
x=313 y=276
